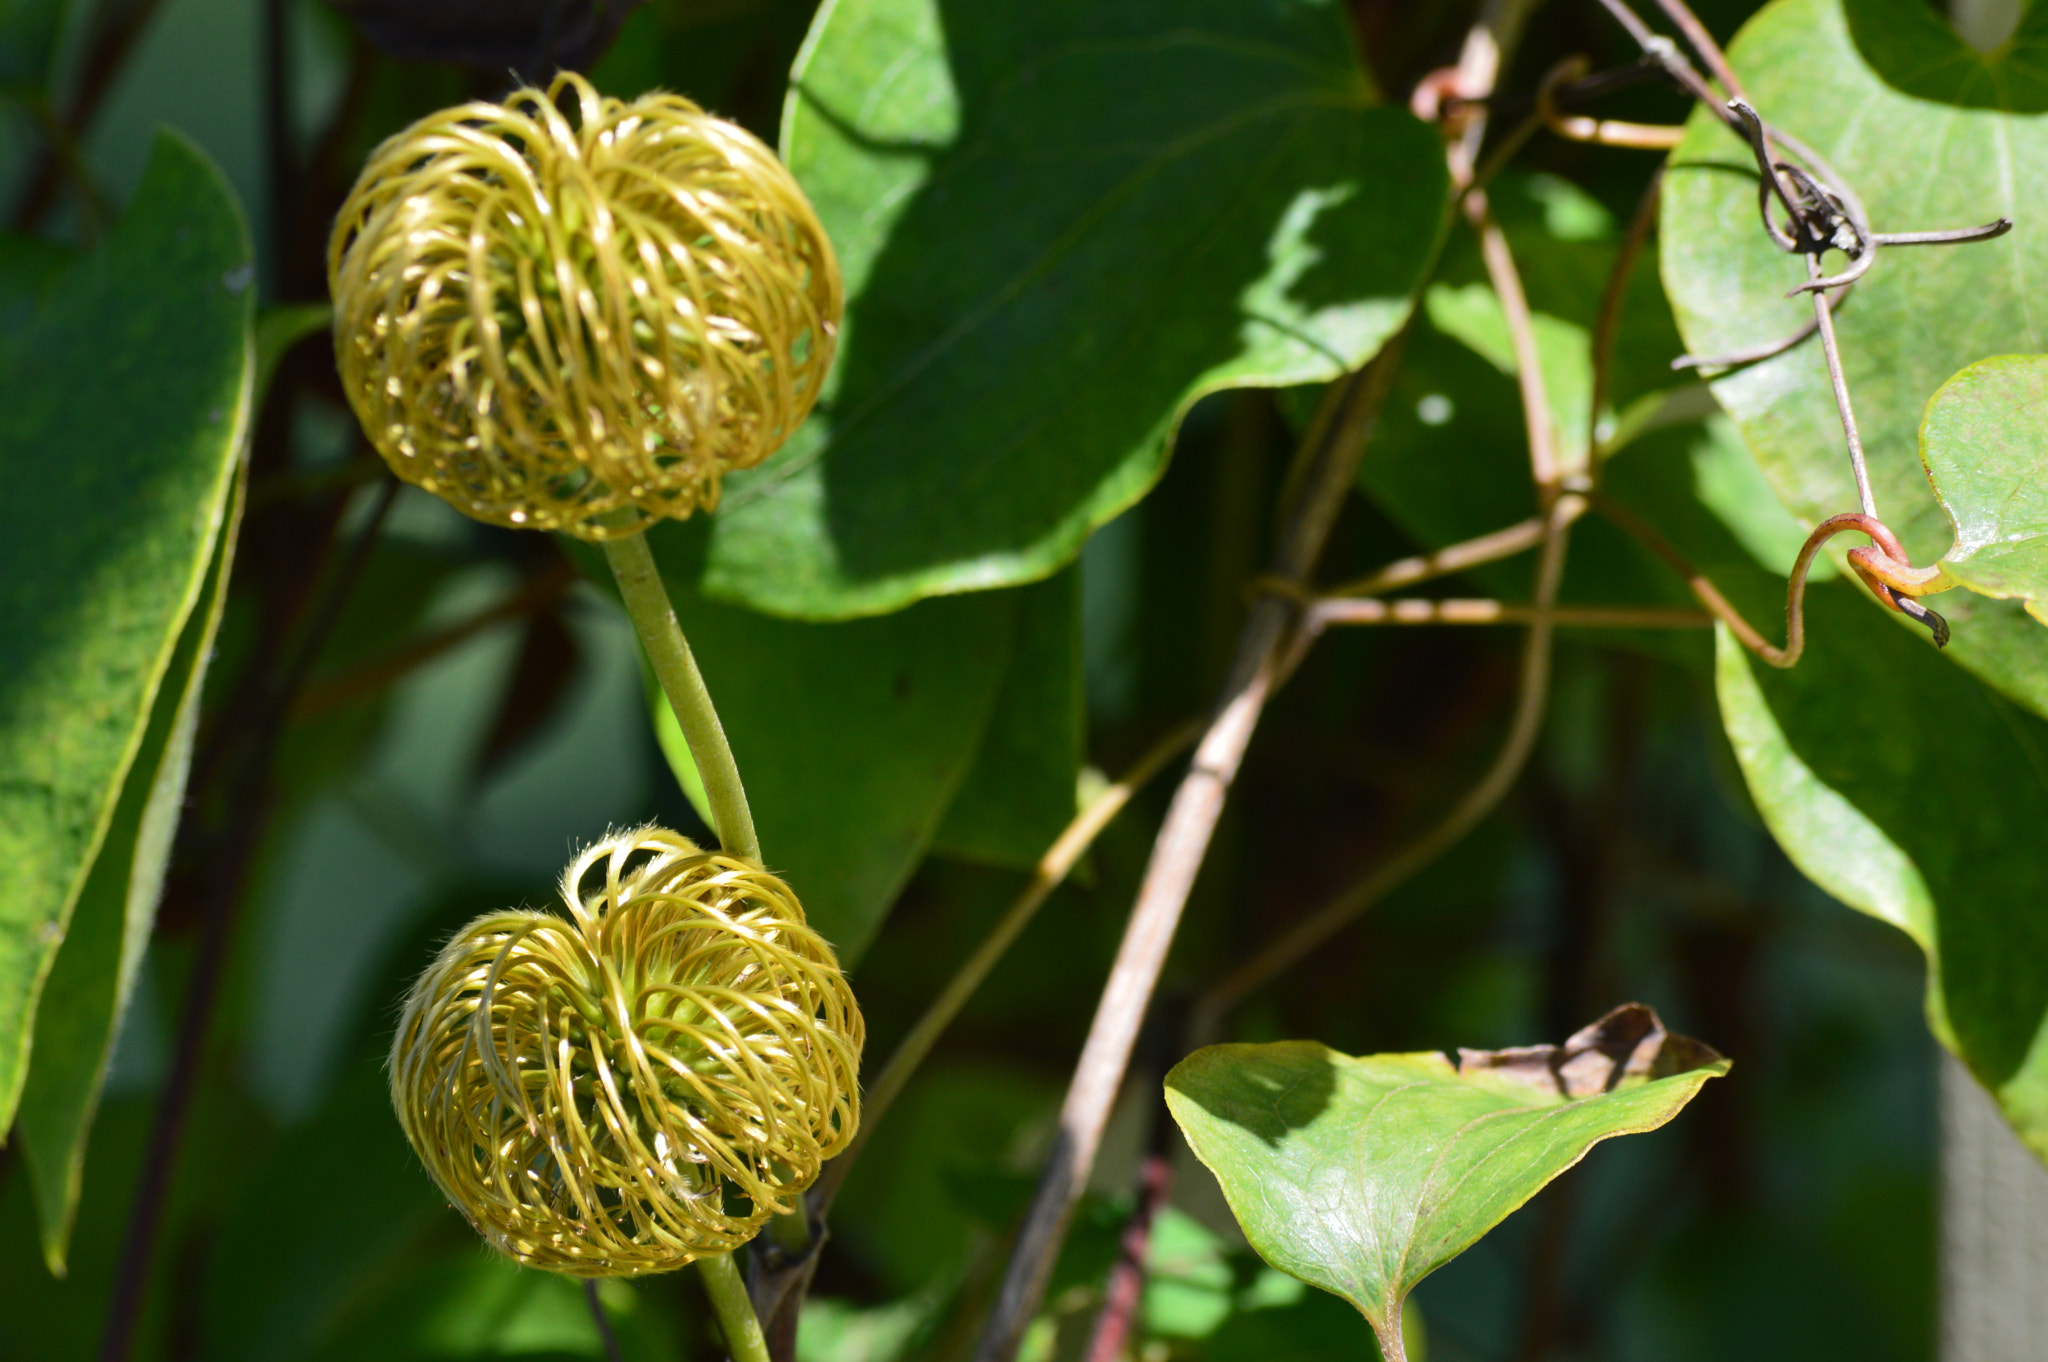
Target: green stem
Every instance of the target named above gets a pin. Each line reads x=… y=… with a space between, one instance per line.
x=743 y=1337
x=676 y=669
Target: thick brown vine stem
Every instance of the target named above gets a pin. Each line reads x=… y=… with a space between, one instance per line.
x=1126 y=1287
x=1050 y=872
x=1421 y=611
x=1331 y=459
x=1532 y=693
x=1607 y=326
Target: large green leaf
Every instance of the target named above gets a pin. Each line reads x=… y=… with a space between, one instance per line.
x=127 y=396
x=1020 y=794
x=1362 y=1176
x=94 y=975
x=1061 y=224
x=852 y=737
x=1927 y=155
x=1985 y=444
x=1907 y=790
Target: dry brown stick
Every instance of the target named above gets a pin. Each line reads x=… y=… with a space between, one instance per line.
x=1415 y=612
x=1701 y=585
x=1531 y=695
x=1545 y=465
x=1607 y=327
x=1487 y=548
x=1051 y=871
x=1703 y=43
x=1331 y=458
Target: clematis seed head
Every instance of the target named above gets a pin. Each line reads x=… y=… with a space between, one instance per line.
x=642 y=1082
x=574 y=313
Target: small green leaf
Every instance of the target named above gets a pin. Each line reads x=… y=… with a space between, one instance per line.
x=1985 y=444
x=1020 y=793
x=1362 y=1176
x=1912 y=793
x=1930 y=134
x=128 y=394
x=1061 y=224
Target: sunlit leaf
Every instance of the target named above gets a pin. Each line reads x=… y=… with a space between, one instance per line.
x=1930 y=134
x=1061 y=223
x=1985 y=443
x=128 y=393
x=1364 y=1175
x=1907 y=790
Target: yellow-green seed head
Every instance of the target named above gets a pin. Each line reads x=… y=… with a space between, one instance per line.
x=574 y=313
x=641 y=1083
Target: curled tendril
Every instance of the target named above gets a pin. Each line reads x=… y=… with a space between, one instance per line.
x=569 y=312
x=641 y=1083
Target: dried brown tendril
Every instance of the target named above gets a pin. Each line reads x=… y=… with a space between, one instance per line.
x=569 y=312
x=641 y=1083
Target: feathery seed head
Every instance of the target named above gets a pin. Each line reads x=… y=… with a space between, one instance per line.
x=574 y=313
x=641 y=1083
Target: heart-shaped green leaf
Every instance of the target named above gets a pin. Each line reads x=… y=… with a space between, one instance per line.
x=1930 y=134
x=1061 y=223
x=1910 y=792
x=849 y=783
x=1362 y=1176
x=128 y=389
x=1985 y=444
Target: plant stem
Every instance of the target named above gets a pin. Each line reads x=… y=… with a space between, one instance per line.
x=1329 y=462
x=1046 y=876
x=605 y=1333
x=722 y=1282
x=1470 y=811
x=675 y=667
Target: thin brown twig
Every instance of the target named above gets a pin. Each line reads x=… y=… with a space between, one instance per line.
x=1126 y=1286
x=1824 y=321
x=1416 y=612
x=1444 y=562
x=1607 y=326
x=605 y=1333
x=1883 y=568
x=1050 y=872
x=1177 y=854
x=1702 y=43
x=202 y=990
x=1486 y=548
x=115 y=30
x=1545 y=465
x=1532 y=694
